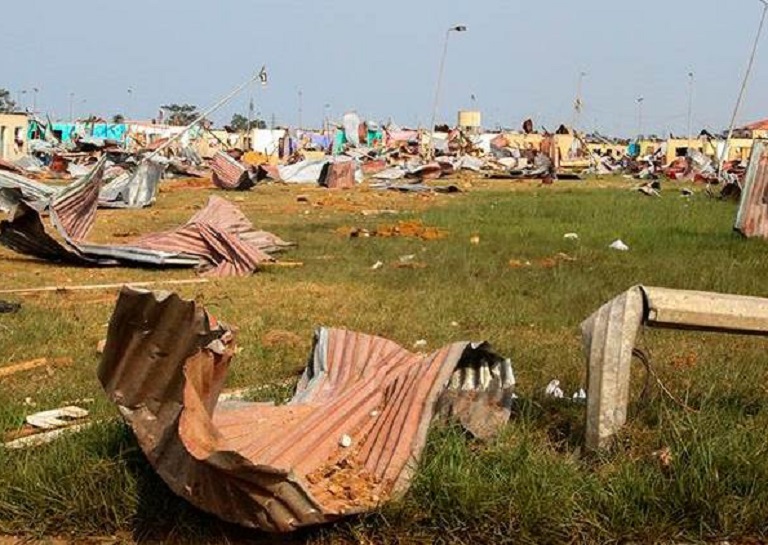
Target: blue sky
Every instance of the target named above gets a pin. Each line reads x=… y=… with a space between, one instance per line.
x=519 y=59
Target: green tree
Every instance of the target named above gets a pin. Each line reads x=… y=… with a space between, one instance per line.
x=239 y=123
x=180 y=114
x=7 y=105
x=118 y=119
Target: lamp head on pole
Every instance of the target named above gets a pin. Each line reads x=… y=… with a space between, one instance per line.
x=458 y=28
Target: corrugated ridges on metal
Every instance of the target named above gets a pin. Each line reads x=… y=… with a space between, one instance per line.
x=347 y=441
x=752 y=218
x=73 y=211
x=229 y=173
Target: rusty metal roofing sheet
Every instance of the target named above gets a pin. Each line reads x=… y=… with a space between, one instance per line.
x=228 y=173
x=218 y=240
x=752 y=218
x=16 y=187
x=338 y=175
x=73 y=210
x=347 y=441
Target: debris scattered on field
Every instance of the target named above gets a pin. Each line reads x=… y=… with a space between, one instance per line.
x=571 y=236
x=376 y=266
x=345 y=441
x=421 y=343
x=405 y=229
x=619 y=245
x=7 y=307
x=295 y=447
x=56 y=418
x=609 y=339
x=553 y=390
x=580 y=395
x=33 y=364
x=474 y=240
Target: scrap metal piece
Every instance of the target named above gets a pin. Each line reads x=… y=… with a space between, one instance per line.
x=56 y=418
x=609 y=338
x=338 y=175
x=218 y=240
x=348 y=440
x=228 y=173
x=133 y=190
x=752 y=218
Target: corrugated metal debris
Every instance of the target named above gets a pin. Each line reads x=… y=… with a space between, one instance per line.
x=609 y=339
x=137 y=189
x=338 y=175
x=219 y=239
x=347 y=441
x=228 y=173
x=752 y=218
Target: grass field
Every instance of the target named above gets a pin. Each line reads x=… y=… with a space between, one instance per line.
x=692 y=473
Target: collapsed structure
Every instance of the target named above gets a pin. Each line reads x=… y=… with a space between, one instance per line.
x=752 y=218
x=218 y=240
x=347 y=441
x=609 y=340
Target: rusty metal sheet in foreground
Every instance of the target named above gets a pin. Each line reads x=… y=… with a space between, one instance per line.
x=347 y=441
x=228 y=173
x=609 y=339
x=752 y=218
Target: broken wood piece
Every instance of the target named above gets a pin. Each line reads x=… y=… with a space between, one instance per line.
x=282 y=264
x=109 y=286
x=56 y=418
x=38 y=439
x=33 y=364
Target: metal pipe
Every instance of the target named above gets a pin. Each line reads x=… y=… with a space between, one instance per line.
x=743 y=90
x=205 y=114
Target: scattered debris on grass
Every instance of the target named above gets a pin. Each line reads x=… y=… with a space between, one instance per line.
x=31 y=365
x=345 y=442
x=609 y=339
x=404 y=229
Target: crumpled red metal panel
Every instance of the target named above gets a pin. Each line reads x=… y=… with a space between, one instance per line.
x=752 y=218
x=338 y=175
x=227 y=173
x=73 y=211
x=347 y=441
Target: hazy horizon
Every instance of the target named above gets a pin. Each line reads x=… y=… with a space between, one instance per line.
x=517 y=59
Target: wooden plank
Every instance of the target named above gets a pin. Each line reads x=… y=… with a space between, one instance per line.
x=32 y=364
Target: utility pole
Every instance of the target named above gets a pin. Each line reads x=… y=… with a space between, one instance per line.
x=578 y=104
x=35 y=90
x=690 y=109
x=301 y=108
x=457 y=28
x=129 y=106
x=72 y=108
x=742 y=92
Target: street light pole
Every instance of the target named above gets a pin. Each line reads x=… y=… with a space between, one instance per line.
x=578 y=104
x=640 y=101
x=690 y=109
x=301 y=108
x=34 y=100
x=72 y=108
x=457 y=28
x=129 y=106
x=742 y=92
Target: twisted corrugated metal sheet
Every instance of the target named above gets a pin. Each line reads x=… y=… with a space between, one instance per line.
x=218 y=240
x=347 y=441
x=73 y=211
x=752 y=218
x=137 y=189
x=227 y=173
x=338 y=175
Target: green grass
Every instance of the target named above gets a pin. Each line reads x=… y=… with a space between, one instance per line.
x=533 y=483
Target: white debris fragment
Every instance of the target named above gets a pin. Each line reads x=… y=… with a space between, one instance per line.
x=619 y=245
x=345 y=441
x=571 y=236
x=553 y=390
x=56 y=418
x=454 y=324
x=407 y=258
x=580 y=395
x=374 y=414
x=377 y=265
x=421 y=343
